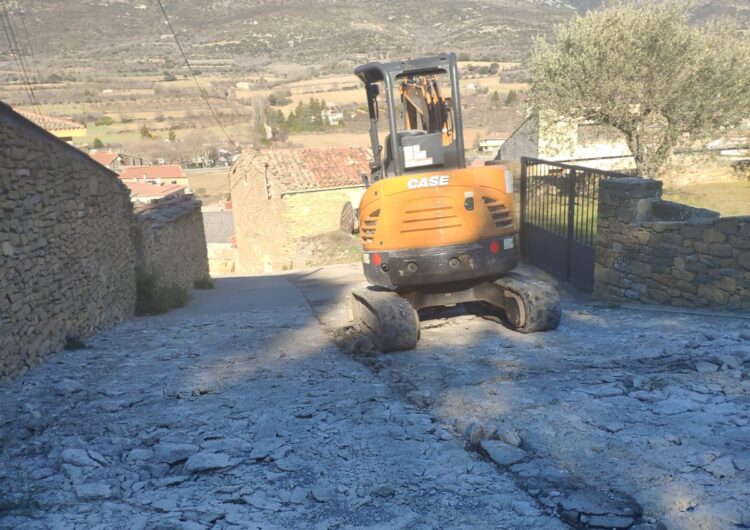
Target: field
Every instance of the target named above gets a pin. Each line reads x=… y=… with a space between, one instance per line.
x=727 y=198
x=210 y=185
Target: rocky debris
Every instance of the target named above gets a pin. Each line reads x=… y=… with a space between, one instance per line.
x=501 y=453
x=323 y=494
x=92 y=492
x=294 y=433
x=586 y=503
x=384 y=490
x=706 y=367
x=207 y=461
x=506 y=434
x=171 y=453
x=608 y=521
x=261 y=501
x=265 y=448
x=722 y=467
x=475 y=433
x=138 y=455
x=78 y=457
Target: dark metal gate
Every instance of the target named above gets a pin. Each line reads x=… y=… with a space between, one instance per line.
x=559 y=205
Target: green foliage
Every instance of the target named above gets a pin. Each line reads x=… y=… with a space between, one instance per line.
x=494 y=68
x=74 y=342
x=307 y=117
x=646 y=71
x=204 y=283
x=172 y=135
x=495 y=98
x=279 y=98
x=104 y=120
x=145 y=132
x=169 y=77
x=98 y=144
x=512 y=98
x=153 y=299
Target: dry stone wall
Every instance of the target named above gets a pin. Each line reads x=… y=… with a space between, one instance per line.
x=171 y=242
x=655 y=251
x=66 y=254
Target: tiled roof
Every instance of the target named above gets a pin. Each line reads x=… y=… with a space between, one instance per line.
x=318 y=168
x=496 y=135
x=152 y=172
x=219 y=226
x=103 y=158
x=51 y=123
x=144 y=189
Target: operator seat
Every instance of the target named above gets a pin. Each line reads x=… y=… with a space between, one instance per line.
x=390 y=171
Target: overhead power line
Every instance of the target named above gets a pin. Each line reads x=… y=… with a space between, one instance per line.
x=34 y=61
x=192 y=73
x=15 y=51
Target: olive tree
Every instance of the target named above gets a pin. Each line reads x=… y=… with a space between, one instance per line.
x=647 y=72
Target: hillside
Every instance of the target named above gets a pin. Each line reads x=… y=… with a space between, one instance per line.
x=295 y=30
x=130 y=34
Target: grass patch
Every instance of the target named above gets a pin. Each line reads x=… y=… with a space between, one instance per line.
x=204 y=283
x=74 y=342
x=153 y=299
x=727 y=198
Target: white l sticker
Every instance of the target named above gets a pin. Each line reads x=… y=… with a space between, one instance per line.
x=508 y=243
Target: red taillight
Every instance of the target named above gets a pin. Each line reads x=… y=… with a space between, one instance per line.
x=495 y=246
x=376 y=259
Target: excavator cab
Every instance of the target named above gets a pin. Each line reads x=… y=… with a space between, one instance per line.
x=423 y=115
x=434 y=232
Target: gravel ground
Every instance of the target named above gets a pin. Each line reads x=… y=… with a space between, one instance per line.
x=623 y=417
x=238 y=412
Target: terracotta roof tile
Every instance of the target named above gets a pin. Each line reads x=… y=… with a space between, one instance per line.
x=144 y=189
x=51 y=123
x=104 y=158
x=152 y=172
x=319 y=168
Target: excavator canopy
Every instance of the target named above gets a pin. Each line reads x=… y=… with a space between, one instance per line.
x=425 y=126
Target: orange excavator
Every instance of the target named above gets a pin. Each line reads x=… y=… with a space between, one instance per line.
x=434 y=232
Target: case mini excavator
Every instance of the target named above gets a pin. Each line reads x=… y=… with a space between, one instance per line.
x=435 y=232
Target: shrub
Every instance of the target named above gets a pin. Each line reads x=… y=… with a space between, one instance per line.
x=153 y=299
x=204 y=283
x=74 y=342
x=104 y=120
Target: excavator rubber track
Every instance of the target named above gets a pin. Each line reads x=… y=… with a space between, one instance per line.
x=390 y=321
x=531 y=305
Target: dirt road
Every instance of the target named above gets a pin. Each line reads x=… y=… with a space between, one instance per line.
x=236 y=412
x=619 y=411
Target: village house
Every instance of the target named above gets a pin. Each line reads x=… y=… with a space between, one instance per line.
x=281 y=195
x=63 y=128
x=145 y=192
x=220 y=241
x=490 y=144
x=115 y=161
x=167 y=174
x=550 y=139
x=332 y=114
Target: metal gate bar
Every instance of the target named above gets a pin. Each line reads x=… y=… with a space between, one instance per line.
x=559 y=204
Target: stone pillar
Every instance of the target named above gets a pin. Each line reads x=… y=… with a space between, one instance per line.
x=622 y=202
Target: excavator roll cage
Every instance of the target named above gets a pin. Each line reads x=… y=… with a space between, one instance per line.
x=432 y=135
